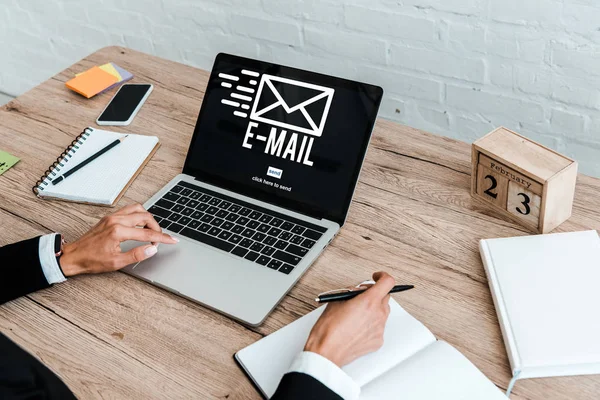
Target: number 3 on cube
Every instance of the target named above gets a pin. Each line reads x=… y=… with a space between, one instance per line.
x=523 y=203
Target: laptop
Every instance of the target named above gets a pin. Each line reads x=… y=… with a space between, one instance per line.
x=266 y=185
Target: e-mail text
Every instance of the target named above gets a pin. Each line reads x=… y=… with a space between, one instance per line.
x=283 y=144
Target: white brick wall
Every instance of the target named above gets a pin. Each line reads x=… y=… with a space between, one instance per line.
x=454 y=67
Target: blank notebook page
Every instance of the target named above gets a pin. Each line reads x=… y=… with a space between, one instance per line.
x=550 y=287
x=270 y=358
x=103 y=179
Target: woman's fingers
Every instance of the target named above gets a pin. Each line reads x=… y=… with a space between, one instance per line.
x=144 y=235
x=135 y=255
x=384 y=283
x=131 y=208
x=143 y=219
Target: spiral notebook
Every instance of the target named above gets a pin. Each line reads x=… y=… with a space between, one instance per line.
x=104 y=180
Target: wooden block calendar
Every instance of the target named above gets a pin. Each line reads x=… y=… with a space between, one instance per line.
x=528 y=182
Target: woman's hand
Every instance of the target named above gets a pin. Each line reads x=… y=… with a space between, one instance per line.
x=349 y=329
x=99 y=249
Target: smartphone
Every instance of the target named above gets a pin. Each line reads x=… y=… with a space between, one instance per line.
x=125 y=104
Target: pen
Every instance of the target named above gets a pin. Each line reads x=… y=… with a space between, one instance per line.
x=87 y=161
x=326 y=298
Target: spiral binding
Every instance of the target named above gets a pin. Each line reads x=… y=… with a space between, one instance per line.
x=63 y=158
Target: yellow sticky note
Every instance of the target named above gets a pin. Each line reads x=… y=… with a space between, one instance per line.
x=111 y=70
x=108 y=67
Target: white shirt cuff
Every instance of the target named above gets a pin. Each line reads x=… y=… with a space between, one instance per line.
x=50 y=267
x=327 y=373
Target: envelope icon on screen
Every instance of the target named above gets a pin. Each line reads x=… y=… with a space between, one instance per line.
x=293 y=105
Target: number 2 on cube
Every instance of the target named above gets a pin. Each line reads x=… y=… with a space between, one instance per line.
x=488 y=191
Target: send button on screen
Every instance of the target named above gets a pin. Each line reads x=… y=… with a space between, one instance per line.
x=274 y=172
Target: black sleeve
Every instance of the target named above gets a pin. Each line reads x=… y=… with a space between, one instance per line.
x=297 y=386
x=20 y=270
x=23 y=377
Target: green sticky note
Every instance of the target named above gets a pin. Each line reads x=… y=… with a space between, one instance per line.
x=6 y=161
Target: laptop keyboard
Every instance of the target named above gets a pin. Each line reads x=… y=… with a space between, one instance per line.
x=262 y=236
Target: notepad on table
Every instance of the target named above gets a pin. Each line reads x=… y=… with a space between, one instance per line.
x=105 y=179
x=412 y=364
x=545 y=289
x=92 y=82
x=121 y=74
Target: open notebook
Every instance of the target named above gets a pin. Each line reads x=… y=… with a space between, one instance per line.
x=104 y=180
x=412 y=364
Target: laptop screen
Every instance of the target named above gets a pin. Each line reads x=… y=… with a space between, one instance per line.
x=289 y=137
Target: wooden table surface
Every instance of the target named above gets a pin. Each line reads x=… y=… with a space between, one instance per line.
x=113 y=336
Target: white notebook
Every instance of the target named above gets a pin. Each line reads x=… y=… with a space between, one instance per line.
x=411 y=363
x=105 y=179
x=546 y=289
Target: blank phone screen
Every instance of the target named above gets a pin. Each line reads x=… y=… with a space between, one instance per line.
x=124 y=103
